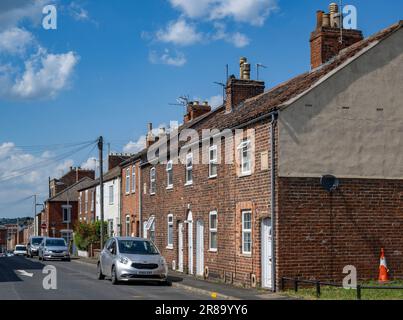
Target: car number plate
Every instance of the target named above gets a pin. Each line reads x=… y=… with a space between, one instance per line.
x=145 y=272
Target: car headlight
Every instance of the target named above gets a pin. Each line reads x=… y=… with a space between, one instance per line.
x=163 y=261
x=123 y=260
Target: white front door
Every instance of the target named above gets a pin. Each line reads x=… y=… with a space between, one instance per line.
x=190 y=243
x=199 y=248
x=180 y=246
x=267 y=263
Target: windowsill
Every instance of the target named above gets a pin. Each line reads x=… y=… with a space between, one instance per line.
x=213 y=250
x=188 y=184
x=152 y=194
x=170 y=187
x=213 y=177
x=169 y=247
x=246 y=255
x=133 y=192
x=127 y=193
x=247 y=174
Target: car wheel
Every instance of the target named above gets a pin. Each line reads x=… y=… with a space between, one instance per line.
x=114 y=276
x=100 y=276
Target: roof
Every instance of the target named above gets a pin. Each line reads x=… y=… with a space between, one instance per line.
x=90 y=185
x=71 y=192
x=278 y=96
x=112 y=174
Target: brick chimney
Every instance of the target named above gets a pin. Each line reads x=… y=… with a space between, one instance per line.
x=150 y=139
x=115 y=159
x=195 y=110
x=238 y=90
x=329 y=39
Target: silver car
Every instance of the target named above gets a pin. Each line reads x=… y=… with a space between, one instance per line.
x=129 y=259
x=53 y=248
x=33 y=246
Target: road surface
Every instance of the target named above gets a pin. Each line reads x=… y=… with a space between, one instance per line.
x=22 y=279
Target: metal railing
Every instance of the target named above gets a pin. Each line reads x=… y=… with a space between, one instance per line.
x=318 y=285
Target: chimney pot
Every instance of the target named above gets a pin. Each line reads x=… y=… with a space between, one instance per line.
x=326 y=20
x=319 y=19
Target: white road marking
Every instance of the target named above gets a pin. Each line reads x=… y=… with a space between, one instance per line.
x=24 y=273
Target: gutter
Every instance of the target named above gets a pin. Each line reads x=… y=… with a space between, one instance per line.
x=274 y=117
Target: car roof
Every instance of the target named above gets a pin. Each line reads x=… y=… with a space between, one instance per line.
x=129 y=238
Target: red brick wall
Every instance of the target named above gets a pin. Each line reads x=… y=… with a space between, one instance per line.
x=54 y=218
x=88 y=216
x=130 y=201
x=319 y=233
x=239 y=90
x=228 y=194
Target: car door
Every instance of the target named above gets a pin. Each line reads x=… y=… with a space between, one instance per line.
x=103 y=257
x=109 y=256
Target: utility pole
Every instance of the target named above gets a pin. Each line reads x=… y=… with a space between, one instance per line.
x=101 y=187
x=34 y=215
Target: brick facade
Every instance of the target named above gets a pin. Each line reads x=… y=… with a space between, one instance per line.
x=319 y=232
x=86 y=205
x=130 y=199
x=54 y=218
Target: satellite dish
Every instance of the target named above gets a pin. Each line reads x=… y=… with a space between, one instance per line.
x=329 y=183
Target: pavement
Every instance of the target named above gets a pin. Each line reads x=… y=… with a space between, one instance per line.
x=22 y=279
x=209 y=288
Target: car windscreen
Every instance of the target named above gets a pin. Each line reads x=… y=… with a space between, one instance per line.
x=55 y=243
x=36 y=241
x=20 y=248
x=137 y=247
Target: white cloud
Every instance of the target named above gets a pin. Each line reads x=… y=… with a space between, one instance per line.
x=15 y=41
x=135 y=146
x=78 y=12
x=253 y=12
x=177 y=60
x=237 y=39
x=180 y=33
x=12 y=12
x=215 y=101
x=90 y=164
x=45 y=75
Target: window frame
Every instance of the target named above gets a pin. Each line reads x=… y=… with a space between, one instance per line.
x=86 y=202
x=133 y=185
x=213 y=161
x=189 y=169
x=213 y=230
x=111 y=194
x=68 y=208
x=170 y=228
x=245 y=231
x=127 y=189
x=153 y=181
x=92 y=201
x=169 y=169
x=246 y=142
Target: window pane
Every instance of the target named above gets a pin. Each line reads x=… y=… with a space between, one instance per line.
x=247 y=242
x=247 y=223
x=213 y=240
x=170 y=235
x=213 y=221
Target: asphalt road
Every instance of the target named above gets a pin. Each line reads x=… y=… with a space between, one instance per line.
x=22 y=279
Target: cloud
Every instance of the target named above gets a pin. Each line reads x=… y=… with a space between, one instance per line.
x=215 y=101
x=15 y=41
x=253 y=12
x=78 y=12
x=179 y=33
x=90 y=164
x=135 y=146
x=45 y=75
x=12 y=12
x=176 y=60
x=237 y=39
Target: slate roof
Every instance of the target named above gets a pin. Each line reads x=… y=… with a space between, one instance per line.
x=71 y=192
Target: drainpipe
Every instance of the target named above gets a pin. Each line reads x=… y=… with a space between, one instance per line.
x=140 y=190
x=274 y=117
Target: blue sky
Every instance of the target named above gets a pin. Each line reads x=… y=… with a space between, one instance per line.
x=112 y=66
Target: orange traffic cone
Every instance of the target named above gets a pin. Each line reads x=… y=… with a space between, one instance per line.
x=383 y=268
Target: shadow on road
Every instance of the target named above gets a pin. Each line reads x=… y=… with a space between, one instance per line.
x=10 y=265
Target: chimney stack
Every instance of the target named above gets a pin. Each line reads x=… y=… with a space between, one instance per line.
x=150 y=139
x=195 y=109
x=329 y=39
x=238 y=90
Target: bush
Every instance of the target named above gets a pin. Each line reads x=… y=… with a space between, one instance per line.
x=86 y=234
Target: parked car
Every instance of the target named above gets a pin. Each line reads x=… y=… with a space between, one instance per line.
x=20 y=250
x=9 y=254
x=53 y=248
x=33 y=246
x=129 y=259
x=2 y=255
